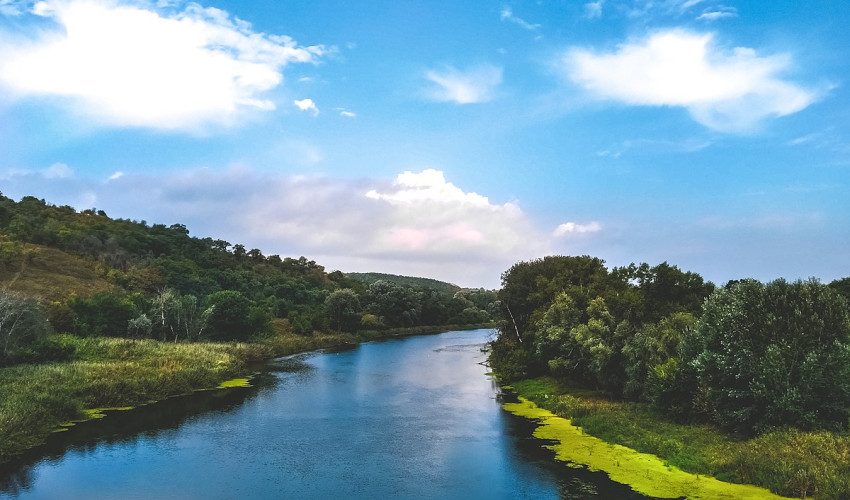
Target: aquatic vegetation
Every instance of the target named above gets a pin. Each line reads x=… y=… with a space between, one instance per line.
x=646 y=474
x=234 y=382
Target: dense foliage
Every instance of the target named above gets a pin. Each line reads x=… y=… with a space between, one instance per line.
x=748 y=356
x=163 y=283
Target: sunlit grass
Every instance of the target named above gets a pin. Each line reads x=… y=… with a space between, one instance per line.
x=788 y=462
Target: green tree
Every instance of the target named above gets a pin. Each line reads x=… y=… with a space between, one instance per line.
x=22 y=324
x=230 y=317
x=344 y=307
x=651 y=346
x=774 y=354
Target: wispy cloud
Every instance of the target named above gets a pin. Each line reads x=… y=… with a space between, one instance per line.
x=721 y=12
x=477 y=84
x=57 y=171
x=593 y=10
x=139 y=65
x=507 y=15
x=575 y=228
x=728 y=91
x=306 y=105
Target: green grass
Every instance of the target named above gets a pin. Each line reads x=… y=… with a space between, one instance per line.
x=36 y=400
x=788 y=462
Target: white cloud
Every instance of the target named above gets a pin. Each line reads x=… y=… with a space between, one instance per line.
x=719 y=13
x=116 y=175
x=344 y=112
x=507 y=14
x=133 y=64
x=729 y=91
x=57 y=171
x=593 y=10
x=572 y=228
x=306 y=105
x=477 y=84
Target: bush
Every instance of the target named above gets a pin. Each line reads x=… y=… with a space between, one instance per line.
x=774 y=355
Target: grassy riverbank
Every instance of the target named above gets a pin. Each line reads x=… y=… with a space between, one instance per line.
x=109 y=372
x=787 y=462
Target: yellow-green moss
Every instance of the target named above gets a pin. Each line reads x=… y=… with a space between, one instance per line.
x=235 y=382
x=646 y=474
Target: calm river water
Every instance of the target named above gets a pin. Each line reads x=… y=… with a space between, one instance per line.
x=411 y=418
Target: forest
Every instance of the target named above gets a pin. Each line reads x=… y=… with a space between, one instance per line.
x=622 y=351
x=748 y=356
x=157 y=281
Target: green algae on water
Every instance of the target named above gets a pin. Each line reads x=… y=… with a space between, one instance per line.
x=645 y=473
x=90 y=414
x=236 y=382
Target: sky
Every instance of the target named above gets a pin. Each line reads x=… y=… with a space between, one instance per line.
x=446 y=139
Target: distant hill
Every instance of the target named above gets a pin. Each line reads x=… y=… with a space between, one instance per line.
x=369 y=278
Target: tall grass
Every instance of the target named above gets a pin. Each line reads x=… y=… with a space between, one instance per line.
x=111 y=372
x=788 y=462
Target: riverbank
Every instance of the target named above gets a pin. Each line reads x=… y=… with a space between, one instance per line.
x=787 y=462
x=118 y=373
x=112 y=373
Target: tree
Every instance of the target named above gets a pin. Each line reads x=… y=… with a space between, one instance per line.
x=652 y=346
x=139 y=327
x=344 y=306
x=773 y=355
x=22 y=323
x=105 y=313
x=229 y=318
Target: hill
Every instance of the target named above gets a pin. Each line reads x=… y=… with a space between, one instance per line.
x=48 y=274
x=90 y=274
x=369 y=278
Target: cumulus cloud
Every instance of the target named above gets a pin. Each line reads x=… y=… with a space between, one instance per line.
x=306 y=105
x=139 y=65
x=416 y=224
x=572 y=228
x=477 y=84
x=728 y=91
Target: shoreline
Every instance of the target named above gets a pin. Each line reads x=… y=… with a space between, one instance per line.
x=645 y=473
x=115 y=374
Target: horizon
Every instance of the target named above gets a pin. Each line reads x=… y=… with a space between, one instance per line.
x=445 y=141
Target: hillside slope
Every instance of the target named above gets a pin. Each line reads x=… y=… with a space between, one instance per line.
x=49 y=274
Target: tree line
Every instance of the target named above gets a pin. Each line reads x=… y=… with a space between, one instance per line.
x=169 y=285
x=749 y=356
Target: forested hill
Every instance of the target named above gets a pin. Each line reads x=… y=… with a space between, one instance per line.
x=369 y=278
x=89 y=274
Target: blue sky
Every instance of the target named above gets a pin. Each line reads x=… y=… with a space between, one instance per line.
x=445 y=139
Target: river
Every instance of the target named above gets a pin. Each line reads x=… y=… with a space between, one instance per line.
x=411 y=418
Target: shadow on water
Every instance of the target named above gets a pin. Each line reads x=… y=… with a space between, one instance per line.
x=573 y=483
x=126 y=426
